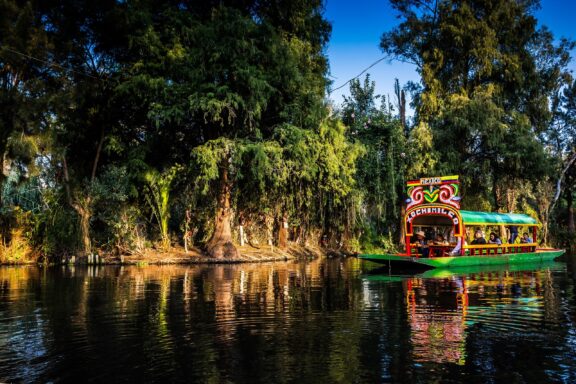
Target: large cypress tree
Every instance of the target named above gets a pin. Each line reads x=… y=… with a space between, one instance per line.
x=238 y=86
x=225 y=98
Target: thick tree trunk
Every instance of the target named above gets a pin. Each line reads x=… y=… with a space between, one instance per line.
x=85 y=231
x=545 y=231
x=84 y=215
x=83 y=210
x=220 y=245
x=187 y=232
x=511 y=199
x=497 y=193
x=283 y=232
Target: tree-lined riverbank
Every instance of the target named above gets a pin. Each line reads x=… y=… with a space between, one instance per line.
x=130 y=128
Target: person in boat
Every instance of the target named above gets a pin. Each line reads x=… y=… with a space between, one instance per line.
x=456 y=250
x=478 y=238
x=440 y=240
x=525 y=238
x=494 y=239
x=513 y=234
x=421 y=244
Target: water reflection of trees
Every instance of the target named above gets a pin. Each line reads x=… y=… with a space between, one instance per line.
x=312 y=322
x=201 y=322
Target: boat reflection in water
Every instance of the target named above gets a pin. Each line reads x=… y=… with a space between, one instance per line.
x=442 y=305
x=315 y=322
x=437 y=332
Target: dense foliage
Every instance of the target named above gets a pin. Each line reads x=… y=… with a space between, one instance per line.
x=155 y=122
x=127 y=125
x=485 y=103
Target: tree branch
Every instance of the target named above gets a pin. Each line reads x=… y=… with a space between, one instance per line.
x=559 y=182
x=67 y=181
x=97 y=157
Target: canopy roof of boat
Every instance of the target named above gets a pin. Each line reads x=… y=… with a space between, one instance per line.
x=492 y=218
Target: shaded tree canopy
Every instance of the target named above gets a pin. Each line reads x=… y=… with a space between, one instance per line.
x=126 y=125
x=488 y=74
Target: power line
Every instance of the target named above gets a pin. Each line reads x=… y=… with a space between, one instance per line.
x=357 y=76
x=52 y=64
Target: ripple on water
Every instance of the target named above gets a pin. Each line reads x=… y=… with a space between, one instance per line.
x=316 y=322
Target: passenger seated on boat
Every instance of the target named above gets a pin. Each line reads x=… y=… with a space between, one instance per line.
x=526 y=238
x=421 y=244
x=478 y=238
x=494 y=239
x=516 y=240
x=458 y=247
x=513 y=234
x=440 y=240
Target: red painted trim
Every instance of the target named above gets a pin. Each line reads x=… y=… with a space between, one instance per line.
x=408 y=246
x=458 y=228
x=463 y=240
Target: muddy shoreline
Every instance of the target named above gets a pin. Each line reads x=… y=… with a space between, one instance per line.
x=178 y=255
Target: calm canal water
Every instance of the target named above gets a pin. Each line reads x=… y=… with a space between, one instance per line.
x=327 y=321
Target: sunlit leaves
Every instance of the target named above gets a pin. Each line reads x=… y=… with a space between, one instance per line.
x=488 y=73
x=159 y=185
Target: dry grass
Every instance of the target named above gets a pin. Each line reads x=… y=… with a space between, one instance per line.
x=18 y=250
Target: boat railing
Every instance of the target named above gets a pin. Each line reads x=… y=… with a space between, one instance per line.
x=479 y=249
x=498 y=249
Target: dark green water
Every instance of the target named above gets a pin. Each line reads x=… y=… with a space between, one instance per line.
x=322 y=322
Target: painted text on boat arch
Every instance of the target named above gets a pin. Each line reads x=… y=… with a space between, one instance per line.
x=433 y=211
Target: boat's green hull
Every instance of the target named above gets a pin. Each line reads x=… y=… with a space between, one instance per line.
x=466 y=261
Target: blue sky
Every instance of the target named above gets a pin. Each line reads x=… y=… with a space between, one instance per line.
x=358 y=25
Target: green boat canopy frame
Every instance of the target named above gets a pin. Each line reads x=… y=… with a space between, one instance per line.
x=490 y=218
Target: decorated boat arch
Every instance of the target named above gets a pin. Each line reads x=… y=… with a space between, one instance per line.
x=440 y=234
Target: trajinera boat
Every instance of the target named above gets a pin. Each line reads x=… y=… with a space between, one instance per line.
x=433 y=209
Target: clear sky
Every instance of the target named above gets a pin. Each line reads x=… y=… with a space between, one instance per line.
x=358 y=25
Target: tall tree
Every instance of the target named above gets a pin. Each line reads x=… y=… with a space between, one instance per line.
x=401 y=104
x=569 y=138
x=381 y=172
x=23 y=74
x=487 y=74
x=223 y=77
x=562 y=138
x=88 y=39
